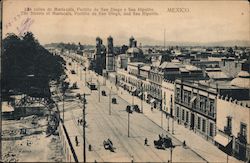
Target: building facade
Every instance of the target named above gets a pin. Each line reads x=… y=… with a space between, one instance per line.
x=195 y=107
x=155 y=82
x=168 y=90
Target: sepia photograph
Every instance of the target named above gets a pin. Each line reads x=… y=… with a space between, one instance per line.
x=125 y=81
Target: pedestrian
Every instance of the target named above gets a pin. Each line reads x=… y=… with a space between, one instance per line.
x=81 y=121
x=90 y=147
x=78 y=122
x=184 y=143
x=76 y=140
x=151 y=108
x=146 y=141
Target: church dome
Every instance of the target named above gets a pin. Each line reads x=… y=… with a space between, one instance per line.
x=242 y=80
x=134 y=50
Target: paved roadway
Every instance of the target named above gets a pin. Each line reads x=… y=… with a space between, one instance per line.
x=101 y=126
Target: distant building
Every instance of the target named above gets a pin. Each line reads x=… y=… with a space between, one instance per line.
x=134 y=53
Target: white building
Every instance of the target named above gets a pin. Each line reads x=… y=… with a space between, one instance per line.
x=168 y=97
x=233 y=127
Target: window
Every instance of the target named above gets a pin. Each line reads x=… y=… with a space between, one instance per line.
x=211 y=109
x=199 y=123
x=164 y=98
x=243 y=129
x=229 y=122
x=211 y=129
x=178 y=93
x=203 y=125
x=185 y=98
x=177 y=114
x=183 y=115
x=187 y=116
x=189 y=97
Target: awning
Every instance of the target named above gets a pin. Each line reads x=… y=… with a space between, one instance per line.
x=192 y=100
x=6 y=107
x=222 y=140
x=152 y=100
x=140 y=94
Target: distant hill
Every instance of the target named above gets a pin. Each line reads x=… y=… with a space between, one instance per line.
x=124 y=40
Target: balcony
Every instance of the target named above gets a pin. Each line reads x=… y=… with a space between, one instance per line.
x=242 y=138
x=227 y=130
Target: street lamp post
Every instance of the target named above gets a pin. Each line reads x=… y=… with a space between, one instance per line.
x=172 y=125
x=84 y=126
x=129 y=110
x=132 y=98
x=168 y=122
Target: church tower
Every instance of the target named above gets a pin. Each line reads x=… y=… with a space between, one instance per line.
x=110 y=58
x=100 y=56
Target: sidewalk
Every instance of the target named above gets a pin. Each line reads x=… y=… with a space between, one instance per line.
x=205 y=149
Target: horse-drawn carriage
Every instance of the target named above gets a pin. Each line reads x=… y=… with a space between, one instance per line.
x=163 y=142
x=108 y=145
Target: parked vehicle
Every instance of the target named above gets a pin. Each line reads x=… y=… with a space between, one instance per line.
x=108 y=145
x=136 y=108
x=103 y=93
x=114 y=100
x=163 y=142
x=92 y=86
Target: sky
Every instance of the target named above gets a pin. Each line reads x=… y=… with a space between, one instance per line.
x=203 y=22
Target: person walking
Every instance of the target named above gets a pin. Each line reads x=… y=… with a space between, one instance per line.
x=146 y=141
x=76 y=140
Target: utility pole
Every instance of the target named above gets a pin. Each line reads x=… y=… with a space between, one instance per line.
x=84 y=125
x=99 y=91
x=161 y=118
x=63 y=106
x=80 y=73
x=171 y=153
x=128 y=124
x=142 y=103
x=85 y=69
x=168 y=121
x=110 y=101
x=141 y=98
x=227 y=143
x=172 y=125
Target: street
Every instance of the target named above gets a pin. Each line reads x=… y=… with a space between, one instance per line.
x=101 y=126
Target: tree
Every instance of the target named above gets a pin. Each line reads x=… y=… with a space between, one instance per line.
x=28 y=66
